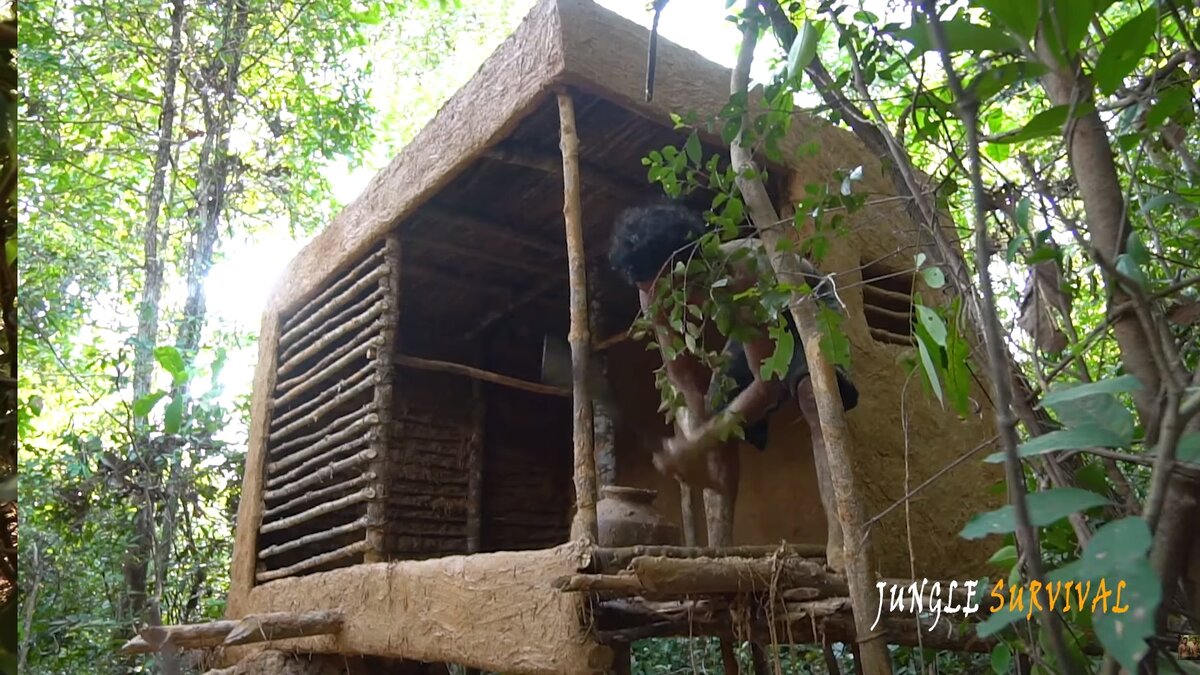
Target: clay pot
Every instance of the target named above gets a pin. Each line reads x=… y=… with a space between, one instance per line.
x=626 y=517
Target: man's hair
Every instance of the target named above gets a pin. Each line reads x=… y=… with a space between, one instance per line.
x=646 y=237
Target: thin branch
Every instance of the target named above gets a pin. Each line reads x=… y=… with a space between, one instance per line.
x=968 y=107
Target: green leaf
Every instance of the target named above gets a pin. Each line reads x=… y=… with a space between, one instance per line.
x=961 y=36
x=932 y=323
x=1161 y=201
x=1020 y=16
x=1065 y=439
x=1099 y=410
x=1169 y=103
x=1046 y=123
x=999 y=620
x=1188 y=448
x=1006 y=557
x=1123 y=49
x=219 y=365
x=173 y=416
x=1070 y=19
x=776 y=365
x=1045 y=507
x=934 y=277
x=834 y=343
x=10 y=250
x=1118 y=553
x=958 y=371
x=1014 y=247
x=1127 y=266
x=1022 y=213
x=145 y=404
x=692 y=148
x=1042 y=254
x=1001 y=658
x=1113 y=385
x=171 y=361
x=931 y=371
x=804 y=47
x=1124 y=634
x=1116 y=548
x=1136 y=249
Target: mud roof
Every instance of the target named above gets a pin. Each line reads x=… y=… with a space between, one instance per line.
x=477 y=195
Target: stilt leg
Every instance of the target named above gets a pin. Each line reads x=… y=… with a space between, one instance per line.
x=729 y=656
x=758 y=656
x=835 y=545
x=622 y=658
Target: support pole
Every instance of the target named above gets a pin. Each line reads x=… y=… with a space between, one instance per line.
x=584 y=524
x=859 y=562
x=475 y=445
x=386 y=377
x=603 y=412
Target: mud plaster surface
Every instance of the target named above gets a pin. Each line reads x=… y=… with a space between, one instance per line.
x=495 y=611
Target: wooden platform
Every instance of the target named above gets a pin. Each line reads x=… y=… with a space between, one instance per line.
x=563 y=610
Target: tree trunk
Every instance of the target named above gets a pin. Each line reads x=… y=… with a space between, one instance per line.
x=213 y=174
x=1095 y=173
x=135 y=563
x=859 y=564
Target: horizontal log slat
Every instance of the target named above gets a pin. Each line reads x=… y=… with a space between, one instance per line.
x=348 y=312
x=292 y=363
x=319 y=510
x=316 y=495
x=324 y=559
x=372 y=267
x=283 y=626
x=323 y=535
x=358 y=424
x=330 y=399
x=315 y=462
x=367 y=336
x=325 y=474
x=304 y=385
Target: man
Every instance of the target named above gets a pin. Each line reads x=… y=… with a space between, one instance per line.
x=646 y=243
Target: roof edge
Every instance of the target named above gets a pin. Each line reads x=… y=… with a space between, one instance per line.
x=509 y=84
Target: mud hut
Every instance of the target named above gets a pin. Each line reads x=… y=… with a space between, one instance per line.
x=411 y=478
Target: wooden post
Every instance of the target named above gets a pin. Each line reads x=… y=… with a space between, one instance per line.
x=584 y=524
x=475 y=470
x=603 y=414
x=686 y=514
x=838 y=444
x=385 y=375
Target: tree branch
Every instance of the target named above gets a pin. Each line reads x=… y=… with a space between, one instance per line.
x=968 y=108
x=876 y=658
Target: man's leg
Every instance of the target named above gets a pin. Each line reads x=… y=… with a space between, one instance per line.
x=834 y=547
x=719 y=501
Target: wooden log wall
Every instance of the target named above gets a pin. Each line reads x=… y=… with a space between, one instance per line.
x=527 y=488
x=428 y=465
x=323 y=447
x=527 y=491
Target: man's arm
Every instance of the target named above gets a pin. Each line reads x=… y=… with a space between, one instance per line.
x=684 y=371
x=755 y=400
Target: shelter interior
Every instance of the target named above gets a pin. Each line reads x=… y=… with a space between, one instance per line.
x=476 y=466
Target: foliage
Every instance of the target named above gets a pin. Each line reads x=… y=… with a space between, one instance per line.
x=133 y=487
x=1095 y=292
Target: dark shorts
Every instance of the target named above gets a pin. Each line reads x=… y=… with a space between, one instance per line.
x=738 y=369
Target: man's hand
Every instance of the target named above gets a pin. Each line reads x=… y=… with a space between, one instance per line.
x=692 y=454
